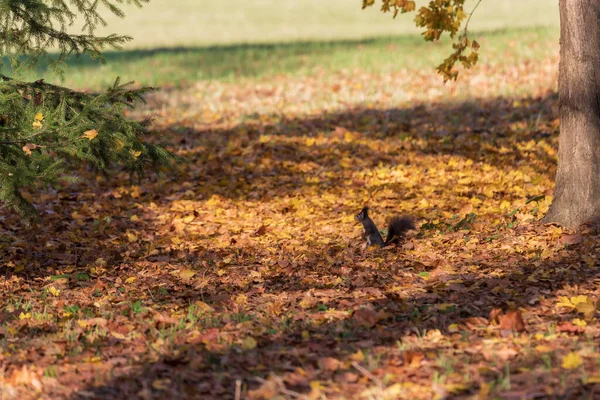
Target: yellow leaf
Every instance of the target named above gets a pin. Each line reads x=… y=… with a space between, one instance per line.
x=186 y=273
x=55 y=292
x=131 y=237
x=543 y=348
x=393 y=392
x=587 y=309
x=91 y=134
x=130 y=279
x=203 y=306
x=249 y=343
x=39 y=116
x=453 y=328
x=592 y=379
x=571 y=302
x=571 y=361
x=134 y=218
x=37 y=124
x=135 y=154
x=579 y=299
x=24 y=316
x=579 y=322
x=358 y=356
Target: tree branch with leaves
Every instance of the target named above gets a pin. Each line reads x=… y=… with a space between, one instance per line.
x=48 y=132
x=439 y=17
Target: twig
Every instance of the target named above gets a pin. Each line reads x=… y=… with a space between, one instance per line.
x=369 y=375
x=238 y=389
x=470 y=15
x=151 y=295
x=282 y=388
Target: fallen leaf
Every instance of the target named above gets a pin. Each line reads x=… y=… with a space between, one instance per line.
x=249 y=343
x=512 y=321
x=366 y=317
x=571 y=361
x=186 y=273
x=329 y=363
x=413 y=359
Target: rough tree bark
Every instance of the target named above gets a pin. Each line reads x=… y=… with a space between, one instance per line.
x=577 y=190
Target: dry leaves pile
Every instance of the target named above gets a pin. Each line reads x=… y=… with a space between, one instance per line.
x=244 y=273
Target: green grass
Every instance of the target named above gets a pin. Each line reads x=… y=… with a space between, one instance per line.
x=180 y=66
x=182 y=41
x=207 y=22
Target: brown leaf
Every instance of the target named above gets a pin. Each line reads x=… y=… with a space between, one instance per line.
x=261 y=231
x=366 y=317
x=329 y=363
x=412 y=358
x=25 y=376
x=571 y=239
x=512 y=321
x=158 y=317
x=92 y=322
x=494 y=314
x=476 y=323
x=267 y=390
x=347 y=377
x=568 y=326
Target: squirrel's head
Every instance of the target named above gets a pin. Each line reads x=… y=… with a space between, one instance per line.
x=362 y=215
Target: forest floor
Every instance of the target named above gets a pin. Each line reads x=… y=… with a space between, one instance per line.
x=242 y=273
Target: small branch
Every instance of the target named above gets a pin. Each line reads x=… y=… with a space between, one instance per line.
x=470 y=15
x=282 y=388
x=238 y=389
x=369 y=375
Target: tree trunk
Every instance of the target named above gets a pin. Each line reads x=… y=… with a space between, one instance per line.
x=577 y=191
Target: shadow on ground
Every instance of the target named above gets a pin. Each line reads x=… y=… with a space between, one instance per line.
x=298 y=303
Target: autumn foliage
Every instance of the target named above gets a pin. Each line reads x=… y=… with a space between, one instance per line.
x=245 y=272
x=48 y=132
x=439 y=17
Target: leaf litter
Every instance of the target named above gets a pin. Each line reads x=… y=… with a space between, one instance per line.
x=244 y=275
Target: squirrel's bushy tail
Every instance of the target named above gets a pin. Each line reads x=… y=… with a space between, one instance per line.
x=398 y=227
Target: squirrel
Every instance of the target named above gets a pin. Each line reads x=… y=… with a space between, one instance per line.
x=396 y=229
